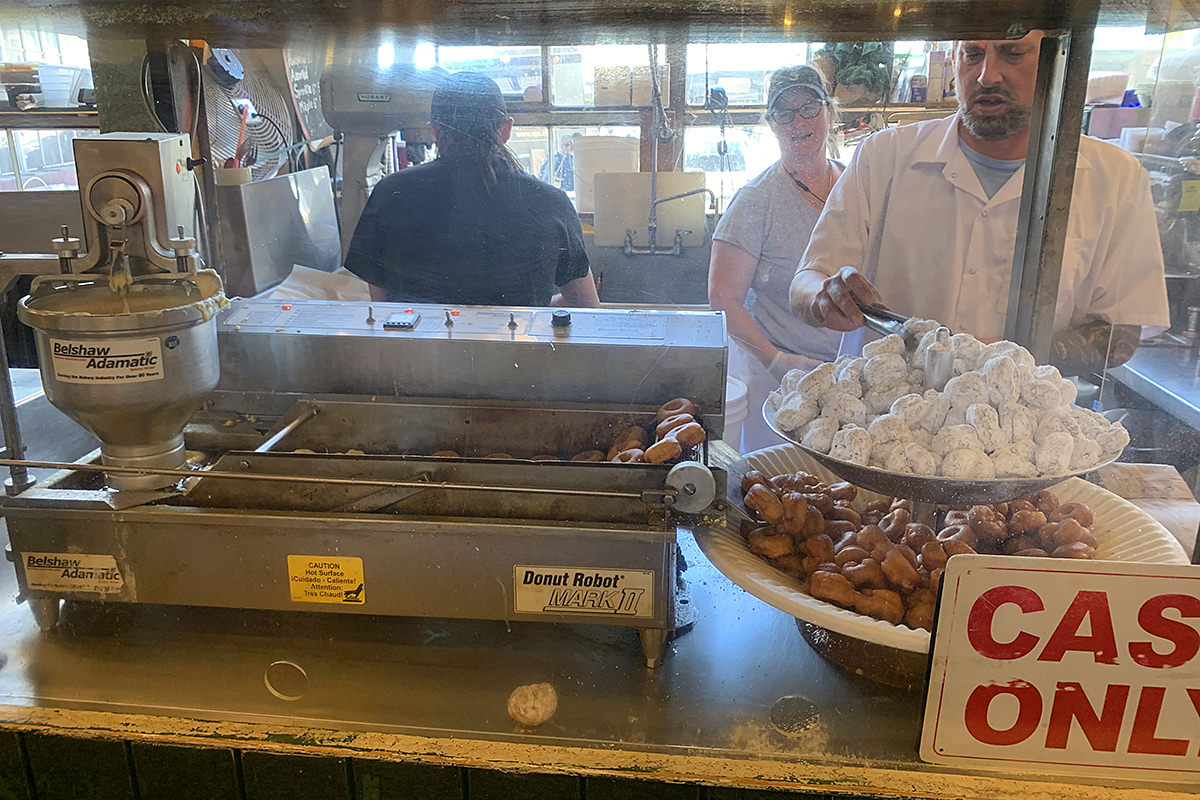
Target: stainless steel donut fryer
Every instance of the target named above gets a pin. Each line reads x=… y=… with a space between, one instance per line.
x=309 y=484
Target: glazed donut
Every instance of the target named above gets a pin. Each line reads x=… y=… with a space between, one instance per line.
x=630 y=438
x=792 y=564
x=688 y=435
x=751 y=478
x=833 y=587
x=899 y=570
x=880 y=603
x=663 y=451
x=671 y=423
x=767 y=542
x=759 y=499
x=819 y=547
x=1073 y=550
x=498 y=455
x=589 y=455
x=865 y=574
x=844 y=513
x=632 y=455
x=843 y=491
x=1026 y=521
x=1076 y=511
x=680 y=405
x=446 y=454
x=839 y=527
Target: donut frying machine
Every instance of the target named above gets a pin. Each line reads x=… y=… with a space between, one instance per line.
x=304 y=481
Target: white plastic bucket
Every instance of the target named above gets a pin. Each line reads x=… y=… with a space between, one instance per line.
x=601 y=154
x=735 y=411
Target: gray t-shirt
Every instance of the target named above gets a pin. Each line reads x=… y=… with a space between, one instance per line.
x=992 y=172
x=771 y=221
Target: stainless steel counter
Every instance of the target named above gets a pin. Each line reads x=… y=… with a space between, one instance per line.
x=1169 y=377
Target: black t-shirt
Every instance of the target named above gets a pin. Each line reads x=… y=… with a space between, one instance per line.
x=432 y=233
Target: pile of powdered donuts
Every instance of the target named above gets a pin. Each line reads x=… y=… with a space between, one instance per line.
x=999 y=416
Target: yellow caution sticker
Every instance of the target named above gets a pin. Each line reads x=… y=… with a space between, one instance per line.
x=326 y=579
x=1189 y=200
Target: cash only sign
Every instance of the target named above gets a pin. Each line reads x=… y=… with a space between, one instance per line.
x=1066 y=667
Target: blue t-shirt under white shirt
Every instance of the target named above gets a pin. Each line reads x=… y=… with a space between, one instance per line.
x=992 y=172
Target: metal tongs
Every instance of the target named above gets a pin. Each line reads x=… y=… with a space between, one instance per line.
x=939 y=356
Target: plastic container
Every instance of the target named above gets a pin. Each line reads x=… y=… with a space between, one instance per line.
x=601 y=154
x=735 y=411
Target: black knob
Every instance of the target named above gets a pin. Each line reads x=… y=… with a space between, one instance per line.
x=560 y=319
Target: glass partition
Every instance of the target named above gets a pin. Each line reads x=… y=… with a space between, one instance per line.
x=471 y=468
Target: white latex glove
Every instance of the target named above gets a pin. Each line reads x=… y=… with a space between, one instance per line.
x=783 y=363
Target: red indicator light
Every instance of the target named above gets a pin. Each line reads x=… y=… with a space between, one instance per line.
x=287 y=307
x=408 y=311
x=454 y=313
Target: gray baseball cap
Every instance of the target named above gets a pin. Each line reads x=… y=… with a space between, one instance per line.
x=798 y=77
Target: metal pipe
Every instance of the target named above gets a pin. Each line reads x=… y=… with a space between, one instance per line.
x=655 y=203
x=266 y=446
x=20 y=479
x=257 y=476
x=652 y=225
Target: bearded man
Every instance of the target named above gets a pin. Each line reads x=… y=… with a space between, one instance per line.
x=924 y=220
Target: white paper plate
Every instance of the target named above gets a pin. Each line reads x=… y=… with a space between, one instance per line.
x=1123 y=533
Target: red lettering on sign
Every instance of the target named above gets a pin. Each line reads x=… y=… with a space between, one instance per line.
x=1101 y=642
x=1145 y=724
x=1194 y=696
x=1185 y=638
x=983 y=611
x=1071 y=703
x=975 y=715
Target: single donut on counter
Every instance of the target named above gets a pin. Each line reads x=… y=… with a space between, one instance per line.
x=680 y=405
x=499 y=455
x=630 y=456
x=671 y=423
x=446 y=454
x=589 y=455
x=663 y=451
x=688 y=435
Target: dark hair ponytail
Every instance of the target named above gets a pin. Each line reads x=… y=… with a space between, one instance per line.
x=481 y=146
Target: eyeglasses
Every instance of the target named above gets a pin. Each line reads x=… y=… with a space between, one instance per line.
x=785 y=116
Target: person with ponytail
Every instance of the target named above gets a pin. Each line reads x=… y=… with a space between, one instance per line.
x=471 y=227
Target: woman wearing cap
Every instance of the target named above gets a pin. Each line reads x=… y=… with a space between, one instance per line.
x=760 y=239
x=471 y=228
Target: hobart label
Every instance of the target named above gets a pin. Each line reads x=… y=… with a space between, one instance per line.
x=326 y=579
x=114 y=361
x=577 y=590
x=72 y=572
x=1064 y=666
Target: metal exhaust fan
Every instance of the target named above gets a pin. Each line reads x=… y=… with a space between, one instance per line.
x=228 y=90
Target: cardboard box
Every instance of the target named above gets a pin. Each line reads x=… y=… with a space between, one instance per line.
x=642 y=95
x=612 y=87
x=1106 y=122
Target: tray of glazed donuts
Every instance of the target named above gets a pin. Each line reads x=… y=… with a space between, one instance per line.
x=854 y=562
x=1001 y=427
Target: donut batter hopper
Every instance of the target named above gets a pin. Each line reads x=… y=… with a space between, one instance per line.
x=126 y=337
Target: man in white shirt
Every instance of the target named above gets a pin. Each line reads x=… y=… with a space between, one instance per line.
x=926 y=218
